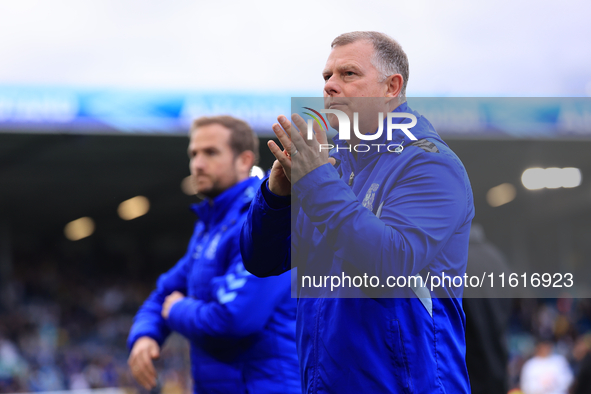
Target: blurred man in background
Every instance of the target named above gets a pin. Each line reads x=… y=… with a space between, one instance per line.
x=487 y=316
x=241 y=328
x=582 y=355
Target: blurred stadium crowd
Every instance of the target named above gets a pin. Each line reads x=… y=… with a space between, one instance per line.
x=64 y=328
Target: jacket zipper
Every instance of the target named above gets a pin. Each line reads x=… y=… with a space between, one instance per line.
x=351 y=178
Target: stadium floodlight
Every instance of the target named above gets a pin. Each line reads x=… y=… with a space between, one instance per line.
x=501 y=195
x=533 y=178
x=133 y=208
x=258 y=172
x=79 y=229
x=571 y=177
x=551 y=178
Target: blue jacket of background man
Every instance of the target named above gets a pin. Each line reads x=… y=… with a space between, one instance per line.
x=404 y=213
x=241 y=328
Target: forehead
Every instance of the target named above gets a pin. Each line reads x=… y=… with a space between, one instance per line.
x=357 y=54
x=211 y=135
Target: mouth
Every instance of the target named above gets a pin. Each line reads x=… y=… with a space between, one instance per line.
x=336 y=104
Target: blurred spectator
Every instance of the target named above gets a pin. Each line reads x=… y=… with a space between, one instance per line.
x=582 y=354
x=13 y=368
x=546 y=373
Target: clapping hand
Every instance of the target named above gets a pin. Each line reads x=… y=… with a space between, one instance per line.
x=299 y=156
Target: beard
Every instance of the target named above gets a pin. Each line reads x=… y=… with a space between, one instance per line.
x=214 y=186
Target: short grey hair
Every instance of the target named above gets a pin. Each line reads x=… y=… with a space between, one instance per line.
x=388 y=58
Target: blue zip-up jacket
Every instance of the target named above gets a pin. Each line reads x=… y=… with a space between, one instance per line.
x=241 y=328
x=384 y=213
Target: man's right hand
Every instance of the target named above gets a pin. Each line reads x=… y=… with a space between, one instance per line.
x=143 y=352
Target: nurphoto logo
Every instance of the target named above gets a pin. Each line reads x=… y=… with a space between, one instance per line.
x=345 y=127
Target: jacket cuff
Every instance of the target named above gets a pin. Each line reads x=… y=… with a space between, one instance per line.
x=138 y=332
x=314 y=180
x=273 y=200
x=182 y=314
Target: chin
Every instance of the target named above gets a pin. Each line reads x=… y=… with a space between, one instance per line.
x=333 y=121
x=209 y=193
x=204 y=189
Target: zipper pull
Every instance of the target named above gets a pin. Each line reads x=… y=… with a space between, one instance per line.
x=351 y=178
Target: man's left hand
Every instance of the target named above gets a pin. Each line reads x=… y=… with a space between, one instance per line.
x=169 y=301
x=304 y=155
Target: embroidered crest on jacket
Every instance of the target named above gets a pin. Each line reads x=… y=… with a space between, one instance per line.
x=370 y=196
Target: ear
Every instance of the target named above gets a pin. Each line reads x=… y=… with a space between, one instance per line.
x=394 y=85
x=244 y=162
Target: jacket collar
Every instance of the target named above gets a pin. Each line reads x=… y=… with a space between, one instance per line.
x=212 y=211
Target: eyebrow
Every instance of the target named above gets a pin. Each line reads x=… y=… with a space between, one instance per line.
x=343 y=67
x=206 y=148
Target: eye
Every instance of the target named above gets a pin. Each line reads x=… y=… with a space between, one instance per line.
x=326 y=77
x=349 y=73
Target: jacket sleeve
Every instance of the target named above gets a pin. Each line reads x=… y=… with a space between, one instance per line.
x=242 y=303
x=265 y=239
x=420 y=213
x=149 y=321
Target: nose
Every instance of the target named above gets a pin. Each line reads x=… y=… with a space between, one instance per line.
x=332 y=87
x=197 y=164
